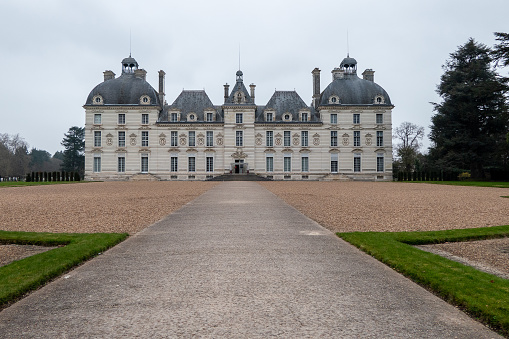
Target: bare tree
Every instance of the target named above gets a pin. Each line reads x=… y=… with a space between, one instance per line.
x=409 y=136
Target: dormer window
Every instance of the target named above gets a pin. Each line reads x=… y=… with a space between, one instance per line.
x=379 y=100
x=269 y=117
x=174 y=117
x=287 y=117
x=97 y=100
x=304 y=117
x=144 y=100
x=191 y=117
x=334 y=100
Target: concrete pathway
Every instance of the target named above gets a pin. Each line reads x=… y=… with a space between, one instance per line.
x=236 y=262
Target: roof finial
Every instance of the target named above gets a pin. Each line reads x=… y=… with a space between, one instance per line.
x=129 y=42
x=239 y=56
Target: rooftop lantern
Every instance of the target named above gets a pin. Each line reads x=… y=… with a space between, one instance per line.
x=129 y=65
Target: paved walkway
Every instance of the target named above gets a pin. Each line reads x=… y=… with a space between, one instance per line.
x=235 y=262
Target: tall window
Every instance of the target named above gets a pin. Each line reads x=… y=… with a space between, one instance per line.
x=357 y=162
x=144 y=138
x=269 y=162
x=144 y=163
x=121 y=164
x=191 y=164
x=192 y=139
x=174 y=138
x=97 y=138
x=239 y=138
x=380 y=162
x=304 y=117
x=287 y=141
x=305 y=163
x=356 y=118
x=356 y=138
x=287 y=164
x=379 y=118
x=97 y=119
x=210 y=138
x=174 y=117
x=97 y=163
x=210 y=164
x=379 y=138
x=121 y=119
x=144 y=119
x=238 y=118
x=270 y=117
x=304 y=139
x=121 y=138
x=333 y=138
x=269 y=138
x=333 y=118
x=210 y=117
x=174 y=163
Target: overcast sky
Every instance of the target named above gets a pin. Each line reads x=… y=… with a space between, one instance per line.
x=53 y=52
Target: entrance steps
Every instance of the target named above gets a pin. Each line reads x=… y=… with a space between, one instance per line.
x=144 y=177
x=335 y=177
x=239 y=177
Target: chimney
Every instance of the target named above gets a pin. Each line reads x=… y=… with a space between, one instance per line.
x=316 y=86
x=161 y=87
x=337 y=73
x=226 y=92
x=108 y=75
x=369 y=75
x=140 y=73
x=252 y=88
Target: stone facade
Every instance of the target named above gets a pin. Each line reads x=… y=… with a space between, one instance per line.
x=132 y=133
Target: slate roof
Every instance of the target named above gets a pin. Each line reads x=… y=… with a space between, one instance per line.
x=124 y=90
x=353 y=90
x=239 y=86
x=286 y=102
x=196 y=101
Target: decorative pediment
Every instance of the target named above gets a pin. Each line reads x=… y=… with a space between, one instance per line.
x=286 y=150
x=191 y=150
x=357 y=150
x=132 y=135
x=173 y=150
x=380 y=150
x=239 y=154
x=334 y=150
x=96 y=150
x=144 y=150
x=210 y=150
x=120 y=150
x=305 y=150
x=162 y=135
x=109 y=135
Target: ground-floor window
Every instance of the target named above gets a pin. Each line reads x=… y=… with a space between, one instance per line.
x=380 y=162
x=305 y=164
x=174 y=161
x=269 y=164
x=287 y=165
x=144 y=163
x=210 y=164
x=357 y=162
x=334 y=163
x=191 y=164
x=97 y=163
x=121 y=164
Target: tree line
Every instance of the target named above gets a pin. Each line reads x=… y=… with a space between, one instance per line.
x=17 y=162
x=470 y=127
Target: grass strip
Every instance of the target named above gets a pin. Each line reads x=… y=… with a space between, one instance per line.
x=22 y=276
x=497 y=184
x=484 y=296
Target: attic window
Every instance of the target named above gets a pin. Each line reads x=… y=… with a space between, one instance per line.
x=334 y=100
x=145 y=100
x=287 y=117
x=191 y=117
x=97 y=100
x=379 y=99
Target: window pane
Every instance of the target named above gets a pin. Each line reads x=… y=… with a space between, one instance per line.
x=287 y=138
x=144 y=138
x=144 y=119
x=380 y=163
x=174 y=117
x=191 y=164
x=174 y=164
x=334 y=166
x=173 y=139
x=121 y=164
x=97 y=119
x=333 y=118
x=238 y=118
x=304 y=117
x=97 y=138
x=239 y=139
x=304 y=138
x=269 y=117
x=97 y=163
x=121 y=139
x=334 y=138
x=144 y=163
x=287 y=164
x=379 y=138
x=210 y=164
x=121 y=119
x=270 y=164
x=356 y=118
x=356 y=138
x=269 y=140
x=210 y=117
x=305 y=164
x=210 y=138
x=357 y=163
x=192 y=140
x=379 y=118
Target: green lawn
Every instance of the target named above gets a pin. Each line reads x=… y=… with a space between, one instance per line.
x=22 y=276
x=482 y=295
x=499 y=184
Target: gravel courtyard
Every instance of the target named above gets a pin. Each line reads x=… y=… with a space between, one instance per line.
x=94 y=207
x=392 y=206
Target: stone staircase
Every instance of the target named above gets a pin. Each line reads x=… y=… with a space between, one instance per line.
x=335 y=177
x=239 y=177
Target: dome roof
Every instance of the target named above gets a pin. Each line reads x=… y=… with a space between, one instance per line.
x=348 y=62
x=352 y=90
x=124 y=90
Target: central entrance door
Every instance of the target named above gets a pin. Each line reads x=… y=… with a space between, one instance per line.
x=239 y=167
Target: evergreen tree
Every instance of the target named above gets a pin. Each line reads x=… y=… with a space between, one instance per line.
x=469 y=127
x=74 y=144
x=500 y=52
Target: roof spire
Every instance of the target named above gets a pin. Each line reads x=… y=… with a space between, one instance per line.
x=129 y=42
x=347 y=45
x=239 y=56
